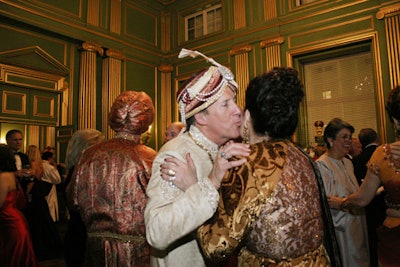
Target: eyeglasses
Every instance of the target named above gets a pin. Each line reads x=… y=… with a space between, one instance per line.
x=345 y=136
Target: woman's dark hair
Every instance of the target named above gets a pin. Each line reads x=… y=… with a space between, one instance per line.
x=47 y=155
x=333 y=127
x=273 y=100
x=393 y=104
x=7 y=160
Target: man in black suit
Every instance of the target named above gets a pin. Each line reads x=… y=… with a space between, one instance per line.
x=375 y=211
x=14 y=139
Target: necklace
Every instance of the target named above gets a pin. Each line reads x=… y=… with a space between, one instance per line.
x=202 y=147
x=127 y=136
x=393 y=163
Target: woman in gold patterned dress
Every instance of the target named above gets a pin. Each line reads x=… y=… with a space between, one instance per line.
x=272 y=210
x=383 y=169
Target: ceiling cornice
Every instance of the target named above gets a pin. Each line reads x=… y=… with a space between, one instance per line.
x=166 y=2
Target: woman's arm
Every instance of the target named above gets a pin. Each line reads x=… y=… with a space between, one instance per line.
x=364 y=195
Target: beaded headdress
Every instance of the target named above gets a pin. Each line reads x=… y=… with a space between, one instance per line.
x=204 y=88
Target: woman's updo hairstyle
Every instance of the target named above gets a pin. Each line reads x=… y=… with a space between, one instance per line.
x=273 y=100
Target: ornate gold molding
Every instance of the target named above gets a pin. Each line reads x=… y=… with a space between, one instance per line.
x=165 y=68
x=240 y=50
x=92 y=47
x=115 y=54
x=387 y=11
x=272 y=41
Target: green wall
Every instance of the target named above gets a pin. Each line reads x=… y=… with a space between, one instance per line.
x=60 y=27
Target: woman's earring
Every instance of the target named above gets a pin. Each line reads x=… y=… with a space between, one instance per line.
x=246 y=134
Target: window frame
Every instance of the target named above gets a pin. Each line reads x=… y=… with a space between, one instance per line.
x=299 y=58
x=204 y=14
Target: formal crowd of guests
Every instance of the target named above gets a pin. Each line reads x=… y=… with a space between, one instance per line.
x=229 y=187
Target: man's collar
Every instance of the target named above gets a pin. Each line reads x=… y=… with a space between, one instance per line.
x=372 y=144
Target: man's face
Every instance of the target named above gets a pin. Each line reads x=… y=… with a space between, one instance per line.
x=172 y=131
x=223 y=119
x=15 y=141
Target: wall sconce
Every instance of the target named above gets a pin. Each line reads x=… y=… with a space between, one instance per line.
x=146 y=137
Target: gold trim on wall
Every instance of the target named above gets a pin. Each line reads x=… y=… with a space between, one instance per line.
x=388 y=11
x=111 y=86
x=324 y=34
x=50 y=134
x=166 y=92
x=272 y=48
x=391 y=16
x=115 y=17
x=239 y=9
x=13 y=111
x=392 y=41
x=87 y=86
x=241 y=49
x=93 y=10
x=241 y=54
x=33 y=131
x=165 y=31
x=272 y=41
x=30 y=78
x=270 y=10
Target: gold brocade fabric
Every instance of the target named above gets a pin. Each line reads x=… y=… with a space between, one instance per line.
x=269 y=208
x=315 y=258
x=381 y=165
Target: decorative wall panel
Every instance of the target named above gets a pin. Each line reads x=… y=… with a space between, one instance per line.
x=13 y=103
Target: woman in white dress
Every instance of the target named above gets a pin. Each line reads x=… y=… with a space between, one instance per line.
x=338 y=175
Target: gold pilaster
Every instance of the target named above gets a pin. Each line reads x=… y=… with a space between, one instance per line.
x=239 y=9
x=64 y=103
x=115 y=18
x=87 y=86
x=50 y=134
x=93 y=10
x=165 y=31
x=33 y=131
x=270 y=9
x=391 y=16
x=111 y=86
x=166 y=92
x=272 y=48
x=242 y=75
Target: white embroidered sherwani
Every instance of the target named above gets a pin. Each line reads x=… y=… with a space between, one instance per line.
x=171 y=215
